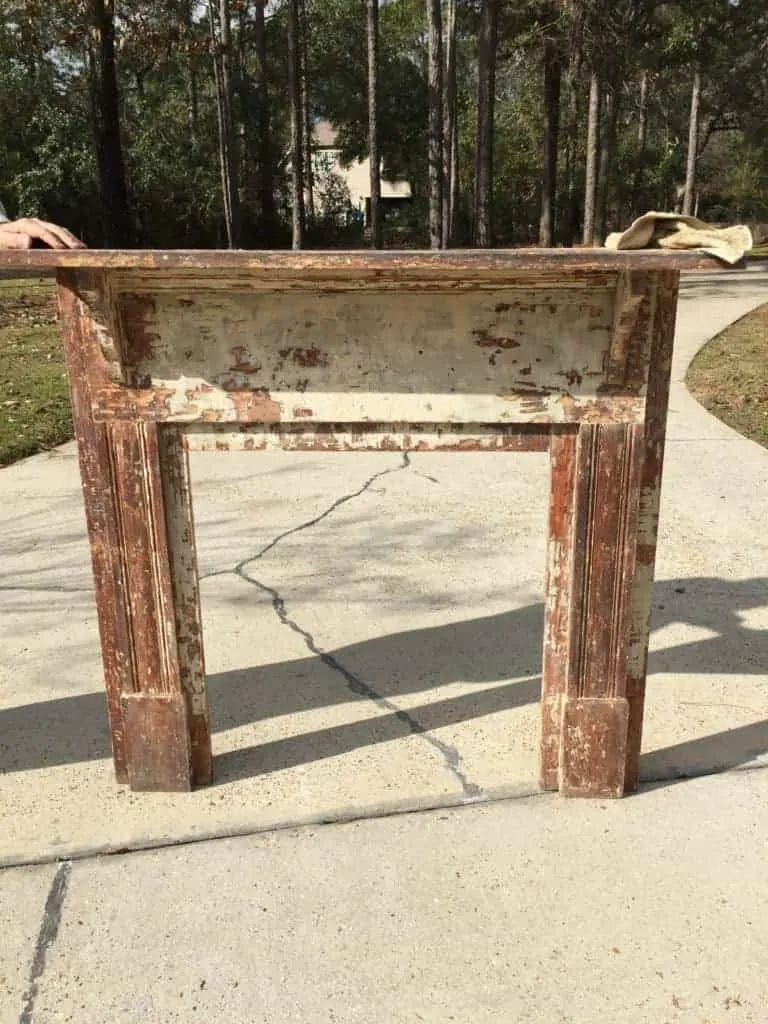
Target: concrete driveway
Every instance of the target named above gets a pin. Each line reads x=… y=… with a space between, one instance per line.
x=373 y=626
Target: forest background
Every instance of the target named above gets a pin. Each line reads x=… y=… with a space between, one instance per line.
x=176 y=123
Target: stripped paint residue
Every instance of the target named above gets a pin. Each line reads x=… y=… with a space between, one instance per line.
x=566 y=352
x=360 y=356
x=484 y=339
x=311 y=356
x=366 y=437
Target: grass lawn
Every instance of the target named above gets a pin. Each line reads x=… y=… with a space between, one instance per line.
x=34 y=398
x=730 y=376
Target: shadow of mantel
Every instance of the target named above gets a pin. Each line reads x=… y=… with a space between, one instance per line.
x=498 y=654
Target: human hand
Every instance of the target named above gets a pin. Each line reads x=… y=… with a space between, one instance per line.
x=23 y=233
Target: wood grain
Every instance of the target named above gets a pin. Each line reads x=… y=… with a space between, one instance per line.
x=448 y=265
x=654 y=433
x=85 y=369
x=454 y=351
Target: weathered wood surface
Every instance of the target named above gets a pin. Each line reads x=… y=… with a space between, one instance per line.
x=521 y=356
x=654 y=433
x=138 y=510
x=604 y=505
x=489 y=351
x=449 y=264
x=85 y=369
x=173 y=463
x=594 y=507
x=366 y=437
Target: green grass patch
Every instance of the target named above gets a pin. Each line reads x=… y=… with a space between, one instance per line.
x=34 y=398
x=730 y=376
x=759 y=252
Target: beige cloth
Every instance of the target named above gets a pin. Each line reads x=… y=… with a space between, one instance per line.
x=676 y=231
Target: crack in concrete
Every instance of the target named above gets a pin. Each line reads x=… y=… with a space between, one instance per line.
x=425 y=476
x=49 y=929
x=318 y=518
x=360 y=688
x=472 y=792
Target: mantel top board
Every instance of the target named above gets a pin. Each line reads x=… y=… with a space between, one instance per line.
x=360 y=264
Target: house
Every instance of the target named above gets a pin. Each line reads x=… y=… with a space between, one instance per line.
x=326 y=160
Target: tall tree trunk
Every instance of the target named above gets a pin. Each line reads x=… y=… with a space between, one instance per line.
x=590 y=183
x=306 y=111
x=642 y=116
x=572 y=219
x=486 y=97
x=221 y=39
x=246 y=105
x=435 y=129
x=373 y=122
x=566 y=233
x=105 y=109
x=220 y=118
x=642 y=133
x=231 y=149
x=194 y=102
x=607 y=159
x=192 y=87
x=450 y=133
x=294 y=90
x=693 y=145
x=266 y=182
x=552 y=80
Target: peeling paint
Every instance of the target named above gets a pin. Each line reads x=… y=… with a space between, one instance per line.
x=367 y=437
x=484 y=339
x=243 y=364
x=217 y=360
x=305 y=356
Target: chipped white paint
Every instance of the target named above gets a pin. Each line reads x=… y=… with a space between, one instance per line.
x=182 y=554
x=338 y=438
x=513 y=356
x=336 y=352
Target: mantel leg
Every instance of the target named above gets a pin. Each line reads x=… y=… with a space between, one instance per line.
x=656 y=406
x=596 y=474
x=165 y=717
x=138 y=509
x=182 y=555
x=603 y=526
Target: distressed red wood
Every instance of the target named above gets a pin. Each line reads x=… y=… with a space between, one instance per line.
x=137 y=497
x=479 y=351
x=597 y=495
x=654 y=433
x=85 y=367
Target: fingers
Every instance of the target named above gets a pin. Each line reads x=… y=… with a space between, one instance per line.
x=66 y=239
x=11 y=239
x=53 y=235
x=30 y=227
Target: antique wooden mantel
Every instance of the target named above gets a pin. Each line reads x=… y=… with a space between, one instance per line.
x=530 y=350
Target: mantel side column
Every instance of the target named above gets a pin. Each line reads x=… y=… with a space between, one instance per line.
x=138 y=510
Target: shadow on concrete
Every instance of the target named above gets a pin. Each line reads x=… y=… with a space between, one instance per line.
x=707 y=755
x=501 y=649
x=720 y=288
x=308 y=747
